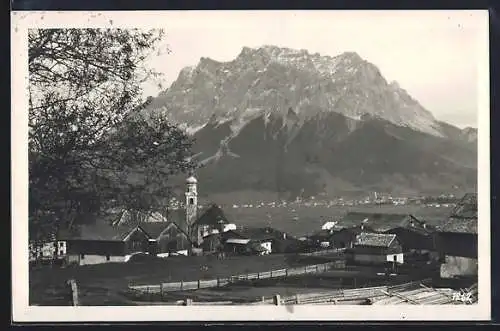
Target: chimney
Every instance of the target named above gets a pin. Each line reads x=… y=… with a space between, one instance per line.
x=284 y=235
x=425 y=225
x=362 y=226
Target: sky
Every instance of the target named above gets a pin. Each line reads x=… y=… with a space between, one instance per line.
x=434 y=55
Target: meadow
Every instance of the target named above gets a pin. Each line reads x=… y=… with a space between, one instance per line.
x=103 y=282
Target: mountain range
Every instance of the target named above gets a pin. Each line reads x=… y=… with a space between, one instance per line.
x=295 y=123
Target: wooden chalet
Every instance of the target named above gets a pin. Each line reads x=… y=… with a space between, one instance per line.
x=457 y=239
x=376 y=248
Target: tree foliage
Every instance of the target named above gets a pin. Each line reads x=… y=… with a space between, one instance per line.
x=89 y=147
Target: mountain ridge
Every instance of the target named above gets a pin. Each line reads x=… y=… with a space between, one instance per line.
x=284 y=120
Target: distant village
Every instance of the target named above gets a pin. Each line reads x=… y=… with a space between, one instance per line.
x=394 y=241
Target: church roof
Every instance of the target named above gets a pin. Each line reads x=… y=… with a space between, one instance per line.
x=191 y=180
x=212 y=216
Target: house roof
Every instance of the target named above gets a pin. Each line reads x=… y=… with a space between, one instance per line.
x=413 y=239
x=99 y=231
x=414 y=224
x=266 y=233
x=376 y=221
x=466 y=207
x=154 y=230
x=355 y=230
x=212 y=216
x=237 y=241
x=459 y=225
x=463 y=218
x=374 y=239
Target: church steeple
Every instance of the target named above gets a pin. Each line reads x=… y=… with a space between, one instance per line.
x=191 y=202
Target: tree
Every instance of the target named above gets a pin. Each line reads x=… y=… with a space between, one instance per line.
x=87 y=140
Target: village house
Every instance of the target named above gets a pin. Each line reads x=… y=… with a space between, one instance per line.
x=457 y=240
x=346 y=237
x=247 y=240
x=102 y=243
x=211 y=221
x=417 y=238
x=376 y=249
x=47 y=251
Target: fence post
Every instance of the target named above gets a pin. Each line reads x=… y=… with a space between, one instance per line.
x=286 y=272
x=161 y=290
x=271 y=275
x=181 y=285
x=297 y=299
x=276 y=300
x=317 y=268
x=74 y=292
x=198 y=283
x=218 y=282
x=258 y=275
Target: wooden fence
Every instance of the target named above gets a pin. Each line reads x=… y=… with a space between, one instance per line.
x=342 y=296
x=221 y=281
x=336 y=251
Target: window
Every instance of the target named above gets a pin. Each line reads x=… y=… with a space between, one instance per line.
x=191 y=201
x=395 y=258
x=82 y=256
x=108 y=257
x=61 y=244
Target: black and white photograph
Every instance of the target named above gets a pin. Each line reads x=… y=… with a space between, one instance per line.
x=294 y=165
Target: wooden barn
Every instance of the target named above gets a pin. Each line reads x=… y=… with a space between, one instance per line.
x=457 y=240
x=376 y=249
x=167 y=239
x=102 y=243
x=417 y=238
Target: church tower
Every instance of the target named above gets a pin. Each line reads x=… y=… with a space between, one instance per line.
x=191 y=203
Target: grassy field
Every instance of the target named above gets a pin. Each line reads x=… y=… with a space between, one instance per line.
x=105 y=281
x=310 y=219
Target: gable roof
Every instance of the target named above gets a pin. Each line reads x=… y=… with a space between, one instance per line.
x=414 y=224
x=374 y=239
x=376 y=221
x=463 y=218
x=100 y=232
x=466 y=207
x=412 y=239
x=459 y=225
x=213 y=215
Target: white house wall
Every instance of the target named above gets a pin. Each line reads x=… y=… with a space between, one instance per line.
x=399 y=258
x=267 y=246
x=458 y=266
x=96 y=259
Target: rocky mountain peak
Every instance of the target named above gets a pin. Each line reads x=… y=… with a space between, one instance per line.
x=271 y=79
